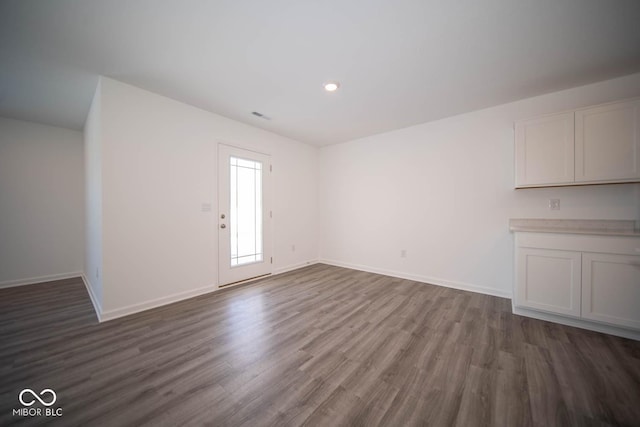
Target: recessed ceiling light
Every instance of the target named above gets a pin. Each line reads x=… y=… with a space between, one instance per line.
x=331 y=86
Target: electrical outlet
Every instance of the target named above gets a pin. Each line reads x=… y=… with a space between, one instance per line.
x=403 y=253
x=554 y=204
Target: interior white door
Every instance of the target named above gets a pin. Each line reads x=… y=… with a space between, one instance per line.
x=244 y=217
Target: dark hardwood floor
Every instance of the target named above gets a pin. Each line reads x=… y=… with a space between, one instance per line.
x=318 y=346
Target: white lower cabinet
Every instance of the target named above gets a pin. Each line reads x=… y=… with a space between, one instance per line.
x=593 y=278
x=611 y=289
x=549 y=280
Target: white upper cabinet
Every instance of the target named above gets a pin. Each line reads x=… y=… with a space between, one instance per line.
x=593 y=145
x=545 y=150
x=608 y=142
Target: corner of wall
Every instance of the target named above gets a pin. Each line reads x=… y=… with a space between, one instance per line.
x=92 y=133
x=97 y=307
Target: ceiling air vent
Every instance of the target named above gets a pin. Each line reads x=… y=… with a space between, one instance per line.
x=262 y=116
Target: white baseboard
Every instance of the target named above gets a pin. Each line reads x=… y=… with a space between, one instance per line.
x=431 y=280
x=97 y=307
x=294 y=266
x=157 y=302
x=103 y=316
x=39 y=279
x=578 y=323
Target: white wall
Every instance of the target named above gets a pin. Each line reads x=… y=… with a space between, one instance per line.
x=443 y=191
x=41 y=202
x=159 y=161
x=93 y=199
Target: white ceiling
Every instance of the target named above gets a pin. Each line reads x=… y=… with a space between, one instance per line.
x=400 y=62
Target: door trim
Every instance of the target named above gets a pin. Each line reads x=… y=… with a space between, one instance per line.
x=224 y=150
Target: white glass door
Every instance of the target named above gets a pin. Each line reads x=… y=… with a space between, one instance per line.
x=244 y=217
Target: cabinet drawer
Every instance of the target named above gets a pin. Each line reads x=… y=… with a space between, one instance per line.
x=582 y=243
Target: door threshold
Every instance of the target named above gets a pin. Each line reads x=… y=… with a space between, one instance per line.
x=239 y=282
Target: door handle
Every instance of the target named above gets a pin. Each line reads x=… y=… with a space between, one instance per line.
x=223 y=226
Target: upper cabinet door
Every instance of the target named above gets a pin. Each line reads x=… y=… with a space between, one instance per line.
x=545 y=151
x=608 y=143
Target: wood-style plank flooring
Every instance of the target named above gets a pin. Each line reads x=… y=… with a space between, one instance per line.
x=318 y=346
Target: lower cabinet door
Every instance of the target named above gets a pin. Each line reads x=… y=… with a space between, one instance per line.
x=611 y=289
x=548 y=280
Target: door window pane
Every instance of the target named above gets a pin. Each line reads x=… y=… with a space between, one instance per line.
x=245 y=219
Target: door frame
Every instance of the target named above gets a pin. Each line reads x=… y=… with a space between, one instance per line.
x=223 y=150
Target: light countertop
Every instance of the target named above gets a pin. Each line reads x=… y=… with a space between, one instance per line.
x=576 y=226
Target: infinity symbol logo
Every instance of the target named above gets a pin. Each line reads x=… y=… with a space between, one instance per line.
x=36 y=397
